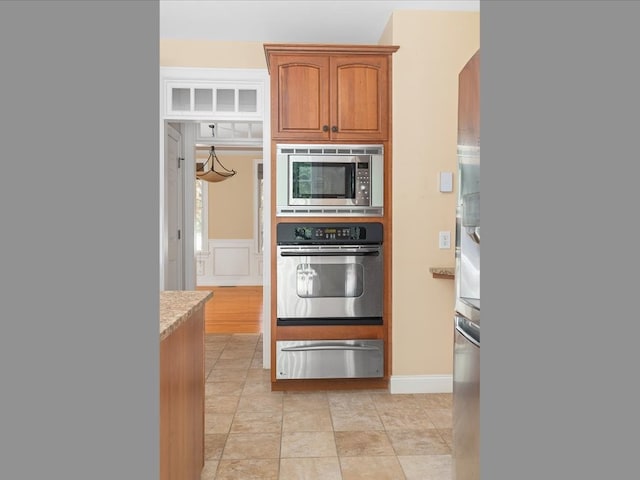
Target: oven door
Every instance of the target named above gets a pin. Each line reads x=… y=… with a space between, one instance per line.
x=329 y=285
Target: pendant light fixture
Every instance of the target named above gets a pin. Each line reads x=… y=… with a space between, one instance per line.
x=209 y=172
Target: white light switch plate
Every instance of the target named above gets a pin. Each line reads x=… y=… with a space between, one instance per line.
x=446 y=181
x=444 y=240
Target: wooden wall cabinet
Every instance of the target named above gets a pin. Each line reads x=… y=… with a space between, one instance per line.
x=330 y=92
x=469 y=103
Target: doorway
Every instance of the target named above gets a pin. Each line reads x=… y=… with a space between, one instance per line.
x=190 y=96
x=229 y=230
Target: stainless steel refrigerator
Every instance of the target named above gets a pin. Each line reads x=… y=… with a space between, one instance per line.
x=466 y=354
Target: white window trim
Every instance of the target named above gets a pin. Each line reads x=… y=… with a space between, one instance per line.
x=204 y=240
x=192 y=77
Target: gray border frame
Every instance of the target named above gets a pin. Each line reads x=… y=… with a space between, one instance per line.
x=560 y=103
x=79 y=195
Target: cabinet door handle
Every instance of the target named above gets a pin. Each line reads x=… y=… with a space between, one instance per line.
x=325 y=128
x=334 y=129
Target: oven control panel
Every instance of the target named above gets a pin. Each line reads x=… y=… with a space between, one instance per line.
x=330 y=233
x=334 y=233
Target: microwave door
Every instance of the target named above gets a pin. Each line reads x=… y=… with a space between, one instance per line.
x=322 y=182
x=329 y=180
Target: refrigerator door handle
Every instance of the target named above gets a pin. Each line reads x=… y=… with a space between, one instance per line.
x=468 y=330
x=474 y=233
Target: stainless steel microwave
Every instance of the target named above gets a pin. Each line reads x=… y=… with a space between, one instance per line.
x=329 y=180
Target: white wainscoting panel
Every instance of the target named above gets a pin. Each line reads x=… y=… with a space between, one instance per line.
x=229 y=262
x=421 y=384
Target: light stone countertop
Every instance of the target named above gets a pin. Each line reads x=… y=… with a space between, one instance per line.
x=177 y=305
x=443 y=271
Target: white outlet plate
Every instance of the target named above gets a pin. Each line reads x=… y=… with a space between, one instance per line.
x=444 y=240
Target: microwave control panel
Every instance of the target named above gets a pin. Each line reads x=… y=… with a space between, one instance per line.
x=362 y=183
x=336 y=233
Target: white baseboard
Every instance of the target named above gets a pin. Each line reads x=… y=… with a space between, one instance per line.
x=421 y=384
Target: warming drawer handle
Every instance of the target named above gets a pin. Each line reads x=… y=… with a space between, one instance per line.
x=327 y=347
x=375 y=253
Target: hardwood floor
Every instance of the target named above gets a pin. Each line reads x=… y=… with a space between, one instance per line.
x=233 y=309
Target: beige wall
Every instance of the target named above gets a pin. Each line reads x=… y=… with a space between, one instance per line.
x=231 y=202
x=211 y=54
x=434 y=46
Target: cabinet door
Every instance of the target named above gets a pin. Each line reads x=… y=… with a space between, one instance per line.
x=300 y=97
x=469 y=103
x=360 y=104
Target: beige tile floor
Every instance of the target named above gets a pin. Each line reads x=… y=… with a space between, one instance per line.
x=254 y=433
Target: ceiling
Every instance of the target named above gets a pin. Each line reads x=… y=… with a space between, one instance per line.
x=290 y=21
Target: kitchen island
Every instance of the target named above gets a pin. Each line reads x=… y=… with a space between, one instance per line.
x=182 y=384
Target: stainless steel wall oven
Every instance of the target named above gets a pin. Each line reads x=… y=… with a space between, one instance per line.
x=329 y=274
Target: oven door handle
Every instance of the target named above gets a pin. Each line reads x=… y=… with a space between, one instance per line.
x=332 y=253
x=304 y=348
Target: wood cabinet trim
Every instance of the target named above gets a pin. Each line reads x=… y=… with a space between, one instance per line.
x=325 y=49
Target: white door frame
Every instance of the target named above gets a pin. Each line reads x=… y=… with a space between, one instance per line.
x=174 y=232
x=229 y=76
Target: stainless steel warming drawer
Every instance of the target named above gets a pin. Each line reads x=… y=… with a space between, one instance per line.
x=329 y=359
